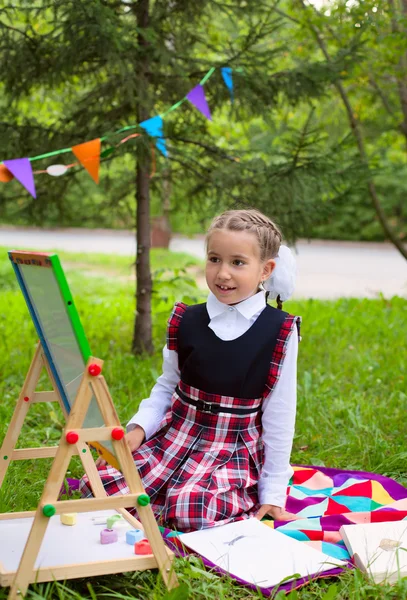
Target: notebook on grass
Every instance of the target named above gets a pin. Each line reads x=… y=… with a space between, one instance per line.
x=256 y=554
x=379 y=549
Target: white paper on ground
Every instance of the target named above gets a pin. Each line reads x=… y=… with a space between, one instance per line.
x=258 y=554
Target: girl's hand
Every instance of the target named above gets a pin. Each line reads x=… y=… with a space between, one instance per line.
x=277 y=512
x=134 y=439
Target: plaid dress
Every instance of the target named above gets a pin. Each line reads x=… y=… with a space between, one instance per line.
x=201 y=468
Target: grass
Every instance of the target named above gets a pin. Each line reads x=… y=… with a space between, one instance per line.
x=351 y=402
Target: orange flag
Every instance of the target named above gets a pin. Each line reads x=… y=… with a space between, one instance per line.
x=88 y=155
x=5 y=174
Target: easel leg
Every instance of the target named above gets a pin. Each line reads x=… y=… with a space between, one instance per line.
x=20 y=412
x=24 y=575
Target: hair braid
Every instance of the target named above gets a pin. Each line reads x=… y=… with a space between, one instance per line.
x=267 y=233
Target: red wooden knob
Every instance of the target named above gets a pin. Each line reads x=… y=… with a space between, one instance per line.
x=118 y=433
x=72 y=437
x=26 y=399
x=94 y=370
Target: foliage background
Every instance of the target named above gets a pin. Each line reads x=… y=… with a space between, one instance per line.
x=70 y=73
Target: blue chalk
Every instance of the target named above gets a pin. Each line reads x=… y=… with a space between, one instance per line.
x=134 y=535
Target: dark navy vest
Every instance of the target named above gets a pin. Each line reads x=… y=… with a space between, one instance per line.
x=238 y=367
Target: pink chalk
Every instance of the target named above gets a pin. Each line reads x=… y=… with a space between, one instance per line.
x=108 y=536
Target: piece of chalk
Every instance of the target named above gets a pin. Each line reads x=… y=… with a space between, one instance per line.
x=121 y=527
x=68 y=519
x=111 y=520
x=142 y=547
x=99 y=520
x=108 y=536
x=134 y=535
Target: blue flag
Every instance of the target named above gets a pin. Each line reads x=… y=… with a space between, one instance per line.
x=154 y=127
x=227 y=78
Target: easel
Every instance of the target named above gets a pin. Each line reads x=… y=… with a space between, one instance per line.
x=74 y=442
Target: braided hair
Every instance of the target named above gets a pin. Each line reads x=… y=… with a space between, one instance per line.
x=268 y=235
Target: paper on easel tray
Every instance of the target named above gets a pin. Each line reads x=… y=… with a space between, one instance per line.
x=379 y=549
x=258 y=554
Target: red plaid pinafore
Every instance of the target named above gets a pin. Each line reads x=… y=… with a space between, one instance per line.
x=201 y=469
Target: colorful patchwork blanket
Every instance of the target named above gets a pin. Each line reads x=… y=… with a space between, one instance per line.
x=324 y=499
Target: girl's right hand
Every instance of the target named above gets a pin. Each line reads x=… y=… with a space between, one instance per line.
x=134 y=439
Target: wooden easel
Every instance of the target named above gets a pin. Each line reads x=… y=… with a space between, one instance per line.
x=74 y=442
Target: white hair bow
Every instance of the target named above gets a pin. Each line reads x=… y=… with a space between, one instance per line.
x=282 y=280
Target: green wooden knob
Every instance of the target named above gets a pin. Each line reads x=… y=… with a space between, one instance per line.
x=49 y=510
x=143 y=499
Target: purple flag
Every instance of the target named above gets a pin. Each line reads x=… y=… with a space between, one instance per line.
x=197 y=97
x=21 y=169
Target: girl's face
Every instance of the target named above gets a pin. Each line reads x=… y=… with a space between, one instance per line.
x=233 y=266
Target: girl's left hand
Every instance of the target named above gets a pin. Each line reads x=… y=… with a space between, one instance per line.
x=276 y=512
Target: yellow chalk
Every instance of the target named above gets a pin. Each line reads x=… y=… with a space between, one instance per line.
x=68 y=519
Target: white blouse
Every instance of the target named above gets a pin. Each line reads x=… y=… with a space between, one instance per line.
x=279 y=408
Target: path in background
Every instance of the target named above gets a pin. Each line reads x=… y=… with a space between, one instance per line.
x=326 y=269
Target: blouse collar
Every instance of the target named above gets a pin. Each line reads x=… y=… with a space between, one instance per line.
x=247 y=308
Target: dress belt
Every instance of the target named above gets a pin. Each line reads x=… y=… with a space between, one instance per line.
x=213 y=407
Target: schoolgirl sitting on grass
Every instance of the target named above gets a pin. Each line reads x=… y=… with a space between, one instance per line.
x=212 y=443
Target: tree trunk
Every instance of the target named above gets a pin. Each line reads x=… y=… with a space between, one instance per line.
x=357 y=133
x=142 y=336
x=166 y=196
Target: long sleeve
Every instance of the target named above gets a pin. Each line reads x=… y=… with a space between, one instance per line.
x=153 y=409
x=278 y=422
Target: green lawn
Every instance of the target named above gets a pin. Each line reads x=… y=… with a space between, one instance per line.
x=352 y=399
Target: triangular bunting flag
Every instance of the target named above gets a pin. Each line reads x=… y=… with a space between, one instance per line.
x=197 y=97
x=5 y=174
x=21 y=169
x=88 y=155
x=227 y=78
x=154 y=127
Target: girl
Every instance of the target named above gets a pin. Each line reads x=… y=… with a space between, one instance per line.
x=219 y=422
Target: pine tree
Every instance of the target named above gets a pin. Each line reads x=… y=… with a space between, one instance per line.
x=75 y=69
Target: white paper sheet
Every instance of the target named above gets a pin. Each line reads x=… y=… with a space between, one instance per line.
x=258 y=554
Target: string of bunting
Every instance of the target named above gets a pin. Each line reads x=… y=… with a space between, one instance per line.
x=88 y=154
